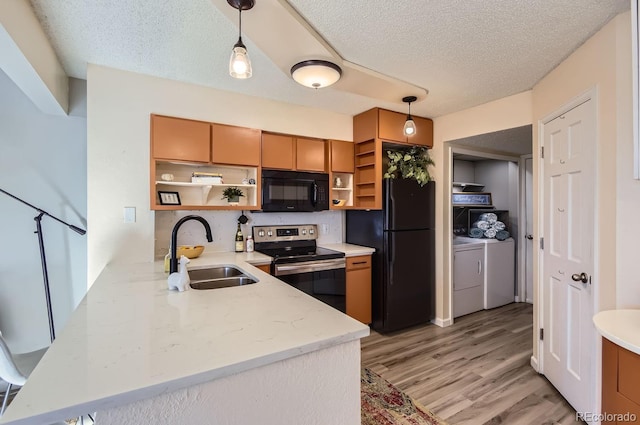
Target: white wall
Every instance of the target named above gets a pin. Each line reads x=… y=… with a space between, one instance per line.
x=464 y=171
x=43 y=161
x=119 y=104
x=501 y=179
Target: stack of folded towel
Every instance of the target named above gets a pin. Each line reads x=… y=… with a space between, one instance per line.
x=489 y=227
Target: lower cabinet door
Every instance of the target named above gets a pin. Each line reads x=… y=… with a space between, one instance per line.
x=359 y=288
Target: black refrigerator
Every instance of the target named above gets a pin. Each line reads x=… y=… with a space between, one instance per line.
x=403 y=266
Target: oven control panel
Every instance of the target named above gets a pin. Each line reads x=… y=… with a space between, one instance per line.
x=303 y=232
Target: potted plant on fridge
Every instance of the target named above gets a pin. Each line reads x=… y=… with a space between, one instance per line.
x=232 y=194
x=411 y=163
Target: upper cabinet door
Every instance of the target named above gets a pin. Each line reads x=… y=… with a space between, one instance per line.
x=424 y=132
x=391 y=126
x=277 y=151
x=342 y=160
x=310 y=155
x=180 y=139
x=235 y=145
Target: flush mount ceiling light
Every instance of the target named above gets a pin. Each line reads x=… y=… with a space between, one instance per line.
x=316 y=73
x=240 y=64
x=409 y=125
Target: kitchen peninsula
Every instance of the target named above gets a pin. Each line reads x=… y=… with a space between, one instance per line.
x=135 y=352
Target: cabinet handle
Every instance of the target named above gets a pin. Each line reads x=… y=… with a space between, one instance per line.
x=359 y=262
x=479 y=266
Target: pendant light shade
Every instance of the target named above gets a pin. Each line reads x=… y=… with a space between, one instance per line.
x=240 y=64
x=409 y=125
x=316 y=73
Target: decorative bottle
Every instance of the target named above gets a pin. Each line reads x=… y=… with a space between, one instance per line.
x=249 y=243
x=239 y=240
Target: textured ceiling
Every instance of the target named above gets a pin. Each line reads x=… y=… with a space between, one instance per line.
x=511 y=142
x=464 y=52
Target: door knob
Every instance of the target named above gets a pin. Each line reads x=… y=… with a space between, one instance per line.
x=582 y=277
x=530 y=237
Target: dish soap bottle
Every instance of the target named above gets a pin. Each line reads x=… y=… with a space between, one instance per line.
x=239 y=240
x=249 y=243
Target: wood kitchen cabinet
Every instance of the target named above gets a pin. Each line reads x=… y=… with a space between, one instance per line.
x=286 y=152
x=311 y=155
x=235 y=145
x=341 y=170
x=342 y=159
x=358 y=270
x=180 y=147
x=278 y=151
x=389 y=126
x=265 y=268
x=367 y=179
x=180 y=139
x=620 y=378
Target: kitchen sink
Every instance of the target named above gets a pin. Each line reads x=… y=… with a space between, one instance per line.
x=219 y=277
x=225 y=282
x=214 y=273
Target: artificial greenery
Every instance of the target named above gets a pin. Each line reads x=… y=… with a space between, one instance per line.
x=410 y=163
x=231 y=193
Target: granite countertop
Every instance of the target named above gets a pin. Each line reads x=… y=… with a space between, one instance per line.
x=131 y=339
x=621 y=327
x=349 y=249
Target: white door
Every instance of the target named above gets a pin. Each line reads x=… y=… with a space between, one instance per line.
x=528 y=212
x=569 y=163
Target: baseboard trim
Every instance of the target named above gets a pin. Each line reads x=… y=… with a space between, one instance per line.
x=442 y=323
x=534 y=364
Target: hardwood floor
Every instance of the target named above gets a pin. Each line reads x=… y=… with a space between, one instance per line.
x=475 y=372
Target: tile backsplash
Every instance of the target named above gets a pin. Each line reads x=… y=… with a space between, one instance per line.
x=224 y=224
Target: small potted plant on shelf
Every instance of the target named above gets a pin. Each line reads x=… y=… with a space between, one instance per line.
x=232 y=194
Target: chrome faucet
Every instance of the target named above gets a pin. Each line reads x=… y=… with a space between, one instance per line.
x=173 y=262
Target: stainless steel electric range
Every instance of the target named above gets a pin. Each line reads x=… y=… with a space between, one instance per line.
x=298 y=261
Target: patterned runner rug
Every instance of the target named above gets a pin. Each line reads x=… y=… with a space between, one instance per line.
x=384 y=404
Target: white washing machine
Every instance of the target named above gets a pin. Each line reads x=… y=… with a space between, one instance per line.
x=499 y=270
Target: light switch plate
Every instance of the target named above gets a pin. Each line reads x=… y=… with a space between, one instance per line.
x=129 y=214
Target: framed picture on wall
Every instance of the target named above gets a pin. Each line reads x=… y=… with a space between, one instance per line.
x=636 y=88
x=169 y=198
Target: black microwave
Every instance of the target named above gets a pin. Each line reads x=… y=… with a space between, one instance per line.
x=294 y=191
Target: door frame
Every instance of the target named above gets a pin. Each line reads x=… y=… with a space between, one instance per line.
x=450 y=149
x=522 y=242
x=538 y=363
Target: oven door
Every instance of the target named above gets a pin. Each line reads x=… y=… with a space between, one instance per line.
x=324 y=280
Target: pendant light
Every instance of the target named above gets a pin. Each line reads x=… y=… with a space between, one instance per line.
x=409 y=125
x=240 y=64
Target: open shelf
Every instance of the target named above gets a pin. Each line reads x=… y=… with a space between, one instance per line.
x=344 y=192
x=189 y=184
x=204 y=195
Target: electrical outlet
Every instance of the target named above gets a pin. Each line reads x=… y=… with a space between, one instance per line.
x=324 y=228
